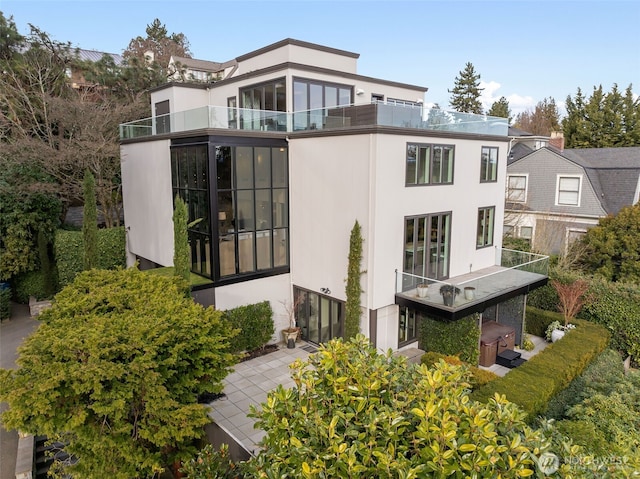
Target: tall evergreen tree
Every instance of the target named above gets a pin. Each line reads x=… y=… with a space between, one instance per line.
x=465 y=96
x=90 y=222
x=500 y=109
x=354 y=288
x=181 y=262
x=10 y=39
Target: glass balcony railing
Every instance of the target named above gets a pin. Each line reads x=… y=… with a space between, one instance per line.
x=351 y=116
x=515 y=270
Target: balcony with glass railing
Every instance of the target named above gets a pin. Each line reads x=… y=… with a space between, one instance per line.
x=351 y=116
x=516 y=272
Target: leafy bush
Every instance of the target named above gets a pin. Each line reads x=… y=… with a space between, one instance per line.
x=536 y=382
x=478 y=377
x=616 y=306
x=30 y=284
x=255 y=322
x=455 y=338
x=537 y=321
x=210 y=464
x=169 y=271
x=69 y=252
x=357 y=413
x=600 y=377
x=5 y=303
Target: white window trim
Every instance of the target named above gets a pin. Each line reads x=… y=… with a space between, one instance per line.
x=558 y=189
x=567 y=232
x=526 y=186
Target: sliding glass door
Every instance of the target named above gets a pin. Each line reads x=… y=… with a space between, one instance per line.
x=427 y=246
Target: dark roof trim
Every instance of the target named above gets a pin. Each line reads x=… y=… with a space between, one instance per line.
x=453 y=314
x=299 y=43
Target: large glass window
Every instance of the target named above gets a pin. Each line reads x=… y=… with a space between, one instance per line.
x=320 y=317
x=407 y=326
x=517 y=188
x=427 y=246
x=429 y=164
x=568 y=192
x=253 y=209
x=312 y=99
x=489 y=164
x=485 y=226
x=190 y=178
x=258 y=103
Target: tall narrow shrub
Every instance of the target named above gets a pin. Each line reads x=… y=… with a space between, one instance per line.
x=181 y=263
x=354 y=288
x=45 y=265
x=90 y=222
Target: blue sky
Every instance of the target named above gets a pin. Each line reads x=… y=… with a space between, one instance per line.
x=525 y=51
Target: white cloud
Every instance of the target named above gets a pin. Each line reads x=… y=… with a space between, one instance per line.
x=517 y=103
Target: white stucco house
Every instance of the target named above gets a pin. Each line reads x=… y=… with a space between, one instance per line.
x=284 y=152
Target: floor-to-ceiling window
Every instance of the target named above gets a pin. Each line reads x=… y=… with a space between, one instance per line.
x=319 y=317
x=190 y=177
x=312 y=99
x=238 y=202
x=426 y=247
x=259 y=102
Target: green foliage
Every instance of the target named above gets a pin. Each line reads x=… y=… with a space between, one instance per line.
x=478 y=377
x=465 y=96
x=354 y=287
x=194 y=279
x=68 y=252
x=517 y=244
x=543 y=120
x=612 y=248
x=23 y=215
x=89 y=222
x=5 y=303
x=210 y=463
x=181 y=251
x=455 y=338
x=500 y=109
x=533 y=384
x=114 y=371
x=33 y=283
x=603 y=120
x=537 y=321
x=600 y=377
x=616 y=306
x=355 y=413
x=255 y=325
x=48 y=272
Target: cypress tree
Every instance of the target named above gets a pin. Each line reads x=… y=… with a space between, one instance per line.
x=354 y=288
x=181 y=260
x=45 y=265
x=90 y=222
x=466 y=91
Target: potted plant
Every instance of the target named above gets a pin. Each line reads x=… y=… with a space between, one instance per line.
x=291 y=334
x=422 y=290
x=556 y=331
x=449 y=293
x=469 y=293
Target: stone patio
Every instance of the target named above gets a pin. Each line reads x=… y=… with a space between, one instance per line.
x=539 y=343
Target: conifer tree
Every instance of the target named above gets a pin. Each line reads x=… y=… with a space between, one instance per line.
x=181 y=266
x=500 y=109
x=90 y=222
x=465 y=96
x=354 y=288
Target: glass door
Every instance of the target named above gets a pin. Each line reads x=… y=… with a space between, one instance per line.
x=319 y=317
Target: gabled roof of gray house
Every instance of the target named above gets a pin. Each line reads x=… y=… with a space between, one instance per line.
x=519 y=150
x=614 y=174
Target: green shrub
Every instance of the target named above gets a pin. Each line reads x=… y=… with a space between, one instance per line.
x=255 y=322
x=456 y=338
x=600 y=377
x=537 y=321
x=30 y=284
x=210 y=463
x=478 y=377
x=533 y=384
x=69 y=252
x=168 y=271
x=5 y=303
x=616 y=306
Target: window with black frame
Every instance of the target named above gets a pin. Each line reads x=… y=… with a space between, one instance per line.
x=429 y=164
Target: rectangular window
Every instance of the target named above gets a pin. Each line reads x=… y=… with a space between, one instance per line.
x=162 y=117
x=426 y=251
x=568 y=191
x=407 y=326
x=232 y=112
x=526 y=232
x=429 y=164
x=313 y=98
x=320 y=317
x=485 y=227
x=517 y=188
x=489 y=164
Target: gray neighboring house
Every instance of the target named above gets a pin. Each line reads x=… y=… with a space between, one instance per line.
x=554 y=195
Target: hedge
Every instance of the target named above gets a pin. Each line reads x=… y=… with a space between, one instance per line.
x=30 y=284
x=537 y=381
x=479 y=377
x=537 y=321
x=455 y=338
x=5 y=303
x=168 y=271
x=255 y=322
x=69 y=252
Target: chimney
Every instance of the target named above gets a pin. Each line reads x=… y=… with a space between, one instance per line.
x=557 y=140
